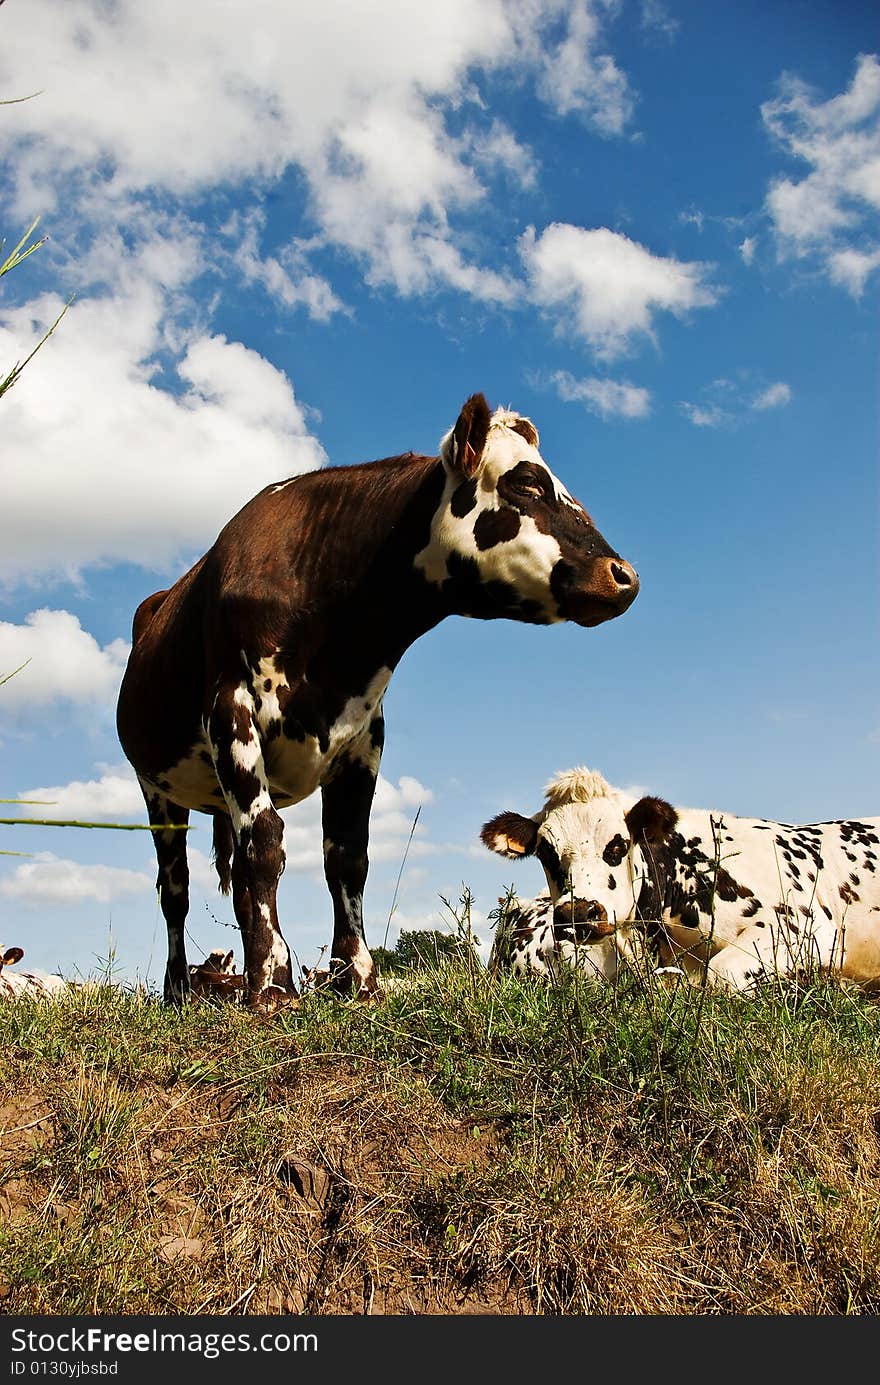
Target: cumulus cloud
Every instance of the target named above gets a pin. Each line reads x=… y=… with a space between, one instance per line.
x=64 y=663
x=828 y=213
x=114 y=797
x=747 y=249
x=49 y=879
x=607 y=398
x=575 y=76
x=608 y=288
x=365 y=122
x=142 y=429
x=103 y=465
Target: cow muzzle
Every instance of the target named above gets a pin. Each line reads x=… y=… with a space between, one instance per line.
x=613 y=587
x=587 y=918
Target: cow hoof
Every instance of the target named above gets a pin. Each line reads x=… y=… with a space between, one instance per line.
x=271 y=999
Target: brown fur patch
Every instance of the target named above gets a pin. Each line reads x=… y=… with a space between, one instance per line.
x=652 y=819
x=470 y=433
x=527 y=430
x=510 y=834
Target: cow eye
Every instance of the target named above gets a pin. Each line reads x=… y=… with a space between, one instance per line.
x=529 y=487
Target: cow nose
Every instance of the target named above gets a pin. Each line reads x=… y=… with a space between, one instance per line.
x=623 y=575
x=588 y=917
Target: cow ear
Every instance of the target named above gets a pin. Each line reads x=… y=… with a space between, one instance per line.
x=652 y=820
x=463 y=446
x=228 y=963
x=510 y=835
x=11 y=956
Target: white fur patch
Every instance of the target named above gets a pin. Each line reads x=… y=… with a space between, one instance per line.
x=578 y=785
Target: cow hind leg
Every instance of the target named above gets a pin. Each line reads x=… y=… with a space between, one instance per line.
x=258 y=857
x=172 y=883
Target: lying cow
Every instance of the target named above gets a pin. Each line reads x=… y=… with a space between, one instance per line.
x=734 y=899
x=216 y=978
x=527 y=942
x=40 y=984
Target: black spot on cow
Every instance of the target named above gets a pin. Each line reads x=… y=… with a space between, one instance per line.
x=847 y=893
x=612 y=883
x=729 y=889
x=549 y=858
x=751 y=908
x=464 y=498
x=475 y=597
x=615 y=851
x=496 y=526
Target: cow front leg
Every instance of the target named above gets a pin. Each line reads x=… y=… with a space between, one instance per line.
x=172 y=884
x=347 y=799
x=258 y=858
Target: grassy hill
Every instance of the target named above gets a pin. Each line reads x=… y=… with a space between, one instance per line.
x=469 y=1144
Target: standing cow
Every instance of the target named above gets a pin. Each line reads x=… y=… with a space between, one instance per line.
x=735 y=899
x=259 y=676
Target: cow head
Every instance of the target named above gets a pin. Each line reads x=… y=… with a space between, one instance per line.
x=508 y=539
x=596 y=850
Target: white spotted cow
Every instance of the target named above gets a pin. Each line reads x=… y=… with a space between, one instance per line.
x=735 y=899
x=258 y=678
x=528 y=942
x=37 y=984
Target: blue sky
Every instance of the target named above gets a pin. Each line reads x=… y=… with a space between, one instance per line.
x=308 y=237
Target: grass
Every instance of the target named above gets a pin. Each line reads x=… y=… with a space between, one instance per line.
x=470 y=1143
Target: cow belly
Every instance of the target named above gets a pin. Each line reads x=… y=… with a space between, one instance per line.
x=295 y=768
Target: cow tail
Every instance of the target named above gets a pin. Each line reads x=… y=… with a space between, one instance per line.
x=224 y=845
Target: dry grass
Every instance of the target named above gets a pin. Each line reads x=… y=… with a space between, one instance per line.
x=470 y=1144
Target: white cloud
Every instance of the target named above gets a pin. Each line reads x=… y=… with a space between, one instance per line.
x=608 y=287
x=773 y=397
x=852 y=268
x=364 y=121
x=705 y=415
x=747 y=249
x=607 y=398
x=50 y=879
x=729 y=402
x=64 y=663
x=498 y=150
x=114 y=797
x=823 y=213
x=575 y=77
x=102 y=465
x=285 y=277
x=139 y=430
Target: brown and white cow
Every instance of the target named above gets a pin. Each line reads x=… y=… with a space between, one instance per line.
x=736 y=899
x=259 y=676
x=216 y=978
